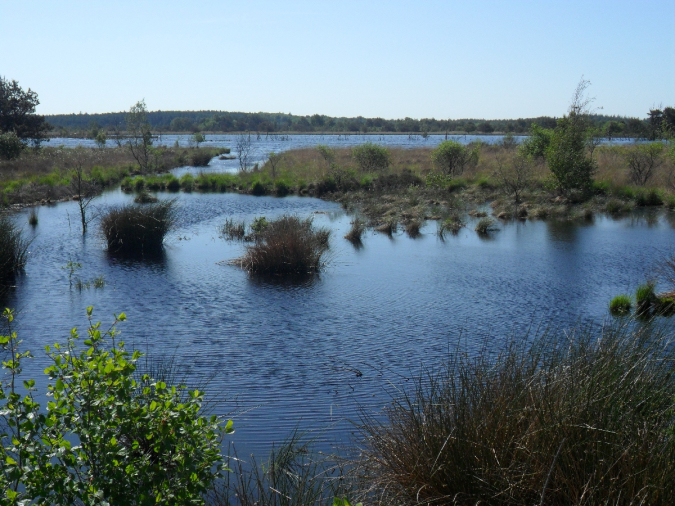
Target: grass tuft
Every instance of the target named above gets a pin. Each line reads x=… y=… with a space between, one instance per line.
x=138 y=230
x=357 y=230
x=412 y=228
x=620 y=305
x=580 y=418
x=233 y=230
x=286 y=246
x=33 y=217
x=484 y=225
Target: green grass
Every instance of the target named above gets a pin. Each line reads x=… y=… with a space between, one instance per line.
x=484 y=225
x=645 y=298
x=620 y=305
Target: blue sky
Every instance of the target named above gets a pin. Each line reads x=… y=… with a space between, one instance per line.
x=442 y=59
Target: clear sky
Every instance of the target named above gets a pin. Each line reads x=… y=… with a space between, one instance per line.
x=388 y=58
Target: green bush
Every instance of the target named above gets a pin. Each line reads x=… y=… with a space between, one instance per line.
x=567 y=158
x=139 y=441
x=645 y=298
x=187 y=182
x=173 y=184
x=10 y=146
x=620 y=305
x=536 y=145
x=451 y=157
x=371 y=157
x=651 y=197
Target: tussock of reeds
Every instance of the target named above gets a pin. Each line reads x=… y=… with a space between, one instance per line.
x=288 y=245
x=13 y=249
x=233 y=229
x=138 y=229
x=412 y=228
x=484 y=225
x=388 y=228
x=579 y=419
x=356 y=231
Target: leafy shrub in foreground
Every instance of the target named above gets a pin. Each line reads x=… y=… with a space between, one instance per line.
x=139 y=441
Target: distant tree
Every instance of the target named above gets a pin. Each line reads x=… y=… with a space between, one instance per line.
x=274 y=159
x=485 y=127
x=198 y=138
x=567 y=156
x=139 y=138
x=101 y=139
x=17 y=113
x=244 y=150
x=83 y=188
x=451 y=157
x=514 y=177
x=643 y=160
x=470 y=127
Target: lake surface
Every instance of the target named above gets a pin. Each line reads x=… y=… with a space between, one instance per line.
x=308 y=356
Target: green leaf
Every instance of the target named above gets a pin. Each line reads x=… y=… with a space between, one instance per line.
x=59 y=385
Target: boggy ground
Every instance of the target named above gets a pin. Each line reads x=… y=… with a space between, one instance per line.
x=46 y=175
x=411 y=190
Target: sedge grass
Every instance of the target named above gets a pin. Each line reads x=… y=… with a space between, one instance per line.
x=138 y=229
x=13 y=249
x=582 y=418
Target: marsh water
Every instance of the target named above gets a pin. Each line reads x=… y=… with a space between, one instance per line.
x=310 y=355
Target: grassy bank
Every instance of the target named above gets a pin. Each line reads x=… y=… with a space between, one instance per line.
x=46 y=175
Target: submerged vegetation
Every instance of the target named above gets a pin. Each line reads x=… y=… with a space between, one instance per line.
x=138 y=229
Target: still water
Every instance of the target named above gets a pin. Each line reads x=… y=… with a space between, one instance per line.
x=309 y=356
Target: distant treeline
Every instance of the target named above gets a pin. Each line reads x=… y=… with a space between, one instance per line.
x=220 y=121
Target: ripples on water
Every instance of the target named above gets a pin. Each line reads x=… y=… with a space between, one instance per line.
x=309 y=354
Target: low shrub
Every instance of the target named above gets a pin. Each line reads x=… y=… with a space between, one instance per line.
x=281 y=187
x=135 y=229
x=258 y=188
x=286 y=246
x=201 y=157
x=173 y=184
x=575 y=418
x=387 y=228
x=371 y=157
x=620 y=305
x=453 y=224
x=484 y=225
x=651 y=197
x=13 y=249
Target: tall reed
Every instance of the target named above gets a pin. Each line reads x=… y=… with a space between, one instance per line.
x=13 y=249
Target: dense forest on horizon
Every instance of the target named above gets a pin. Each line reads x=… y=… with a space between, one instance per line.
x=223 y=121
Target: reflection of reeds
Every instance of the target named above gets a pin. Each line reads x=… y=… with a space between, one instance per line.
x=580 y=419
x=288 y=245
x=388 y=228
x=33 y=217
x=13 y=249
x=138 y=229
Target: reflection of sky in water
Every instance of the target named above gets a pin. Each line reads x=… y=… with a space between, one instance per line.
x=293 y=350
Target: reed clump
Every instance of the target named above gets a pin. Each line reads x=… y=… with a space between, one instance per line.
x=288 y=245
x=138 y=229
x=13 y=249
x=356 y=231
x=580 y=419
x=233 y=230
x=620 y=305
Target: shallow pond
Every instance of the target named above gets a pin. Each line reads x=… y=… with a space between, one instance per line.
x=308 y=355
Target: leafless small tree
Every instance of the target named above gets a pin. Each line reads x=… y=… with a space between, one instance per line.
x=117 y=134
x=274 y=159
x=643 y=160
x=139 y=138
x=515 y=176
x=84 y=190
x=244 y=150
